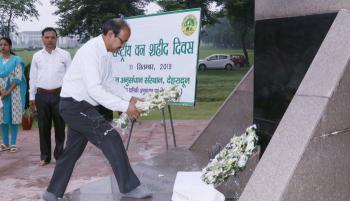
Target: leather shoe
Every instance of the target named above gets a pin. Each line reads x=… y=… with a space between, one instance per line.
x=43 y=163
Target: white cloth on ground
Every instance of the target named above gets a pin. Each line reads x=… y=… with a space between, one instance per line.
x=189 y=187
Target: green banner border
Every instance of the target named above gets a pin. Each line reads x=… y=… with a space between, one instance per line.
x=182 y=103
x=200 y=26
x=165 y=13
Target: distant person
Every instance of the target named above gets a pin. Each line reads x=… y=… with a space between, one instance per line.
x=87 y=84
x=45 y=80
x=12 y=90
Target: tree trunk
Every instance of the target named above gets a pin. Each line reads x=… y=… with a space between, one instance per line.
x=243 y=36
x=8 y=29
x=244 y=49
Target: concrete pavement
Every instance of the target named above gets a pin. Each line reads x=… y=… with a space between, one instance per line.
x=22 y=179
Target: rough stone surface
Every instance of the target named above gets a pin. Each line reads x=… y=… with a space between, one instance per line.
x=304 y=161
x=269 y=9
x=233 y=187
x=157 y=174
x=232 y=118
x=326 y=161
x=22 y=179
x=283 y=153
x=330 y=60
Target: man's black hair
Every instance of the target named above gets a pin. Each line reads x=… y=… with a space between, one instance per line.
x=47 y=29
x=114 y=25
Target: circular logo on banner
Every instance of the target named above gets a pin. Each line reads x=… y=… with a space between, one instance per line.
x=189 y=25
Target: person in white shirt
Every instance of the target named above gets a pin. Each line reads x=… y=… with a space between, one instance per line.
x=87 y=84
x=45 y=80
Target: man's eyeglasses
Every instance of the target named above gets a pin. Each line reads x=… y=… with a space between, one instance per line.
x=121 y=40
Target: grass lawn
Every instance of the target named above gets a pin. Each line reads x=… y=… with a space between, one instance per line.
x=27 y=55
x=203 y=52
x=213 y=86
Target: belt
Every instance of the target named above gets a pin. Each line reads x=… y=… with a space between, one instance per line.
x=48 y=91
x=70 y=99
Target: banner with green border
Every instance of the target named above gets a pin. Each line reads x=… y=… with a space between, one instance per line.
x=162 y=51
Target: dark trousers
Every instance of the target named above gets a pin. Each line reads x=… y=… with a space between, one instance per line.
x=86 y=124
x=105 y=112
x=48 y=111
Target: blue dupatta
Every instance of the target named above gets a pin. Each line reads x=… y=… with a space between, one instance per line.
x=8 y=67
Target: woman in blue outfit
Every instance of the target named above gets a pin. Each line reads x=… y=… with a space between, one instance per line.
x=12 y=91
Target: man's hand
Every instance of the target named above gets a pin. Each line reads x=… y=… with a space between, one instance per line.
x=32 y=105
x=134 y=100
x=132 y=111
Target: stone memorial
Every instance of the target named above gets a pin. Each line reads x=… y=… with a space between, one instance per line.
x=306 y=142
x=298 y=95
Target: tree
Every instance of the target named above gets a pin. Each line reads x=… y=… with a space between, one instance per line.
x=239 y=12
x=241 y=16
x=85 y=17
x=208 y=17
x=14 y=9
x=221 y=35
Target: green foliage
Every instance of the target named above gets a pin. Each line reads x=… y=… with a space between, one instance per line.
x=216 y=85
x=223 y=35
x=208 y=17
x=241 y=16
x=25 y=55
x=209 y=98
x=11 y=10
x=203 y=52
x=84 y=18
x=213 y=87
x=239 y=12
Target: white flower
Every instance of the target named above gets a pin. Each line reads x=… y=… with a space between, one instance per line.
x=251 y=128
x=250 y=138
x=150 y=102
x=250 y=147
x=242 y=161
x=143 y=105
x=232 y=159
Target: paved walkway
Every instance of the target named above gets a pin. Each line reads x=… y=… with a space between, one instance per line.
x=22 y=179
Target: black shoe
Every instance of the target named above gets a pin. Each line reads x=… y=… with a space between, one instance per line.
x=139 y=193
x=47 y=196
x=43 y=163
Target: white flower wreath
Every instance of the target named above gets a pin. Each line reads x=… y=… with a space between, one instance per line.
x=152 y=101
x=232 y=159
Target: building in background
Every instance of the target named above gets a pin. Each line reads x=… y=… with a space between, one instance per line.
x=32 y=40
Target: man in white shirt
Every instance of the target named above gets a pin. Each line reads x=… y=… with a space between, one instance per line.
x=48 y=67
x=87 y=84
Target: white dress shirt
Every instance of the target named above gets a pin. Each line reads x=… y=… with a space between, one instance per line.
x=90 y=78
x=47 y=70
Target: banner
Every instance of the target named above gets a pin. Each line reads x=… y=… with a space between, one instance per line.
x=162 y=51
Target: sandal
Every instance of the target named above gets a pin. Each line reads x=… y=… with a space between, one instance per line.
x=13 y=149
x=4 y=147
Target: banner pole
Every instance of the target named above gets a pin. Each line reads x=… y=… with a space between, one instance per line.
x=172 y=125
x=164 y=126
x=132 y=126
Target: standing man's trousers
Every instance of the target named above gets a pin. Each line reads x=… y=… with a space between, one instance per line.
x=85 y=124
x=47 y=103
